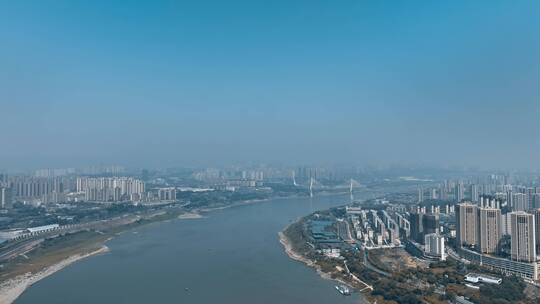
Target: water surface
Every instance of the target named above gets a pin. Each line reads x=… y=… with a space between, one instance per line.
x=230 y=256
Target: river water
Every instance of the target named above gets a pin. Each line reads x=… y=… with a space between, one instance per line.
x=229 y=256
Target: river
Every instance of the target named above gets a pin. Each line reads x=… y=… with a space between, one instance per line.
x=229 y=256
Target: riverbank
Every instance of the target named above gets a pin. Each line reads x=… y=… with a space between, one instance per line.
x=190 y=216
x=297 y=256
x=11 y=289
x=57 y=253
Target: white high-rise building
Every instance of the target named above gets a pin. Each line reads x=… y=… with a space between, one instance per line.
x=5 y=197
x=434 y=246
x=433 y=194
x=474 y=193
x=506 y=226
x=459 y=192
x=520 y=202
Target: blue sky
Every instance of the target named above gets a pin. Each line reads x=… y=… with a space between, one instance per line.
x=169 y=83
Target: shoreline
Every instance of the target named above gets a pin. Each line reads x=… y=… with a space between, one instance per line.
x=292 y=254
x=14 y=287
x=11 y=289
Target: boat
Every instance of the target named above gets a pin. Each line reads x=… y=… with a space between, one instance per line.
x=344 y=290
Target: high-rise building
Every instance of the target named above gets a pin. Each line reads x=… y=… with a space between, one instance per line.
x=467 y=224
x=443 y=195
x=520 y=202
x=510 y=198
x=5 y=197
x=536 y=213
x=535 y=202
x=490 y=229
x=506 y=224
x=420 y=195
x=474 y=193
x=433 y=194
x=417 y=230
x=430 y=223
x=531 y=192
x=434 y=246
x=459 y=192
x=523 y=242
x=167 y=194
x=3 y=179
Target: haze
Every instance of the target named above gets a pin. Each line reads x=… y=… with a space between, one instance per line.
x=167 y=83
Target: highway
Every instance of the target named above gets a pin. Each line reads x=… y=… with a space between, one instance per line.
x=28 y=241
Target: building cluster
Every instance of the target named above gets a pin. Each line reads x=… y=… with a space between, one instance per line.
x=374 y=229
x=111 y=189
x=232 y=179
x=213 y=175
x=54 y=172
x=425 y=232
x=38 y=189
x=112 y=170
x=254 y=176
x=167 y=194
x=306 y=173
x=481 y=230
x=447 y=191
x=33 y=189
x=516 y=197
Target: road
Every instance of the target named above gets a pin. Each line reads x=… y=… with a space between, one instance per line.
x=372 y=267
x=27 y=242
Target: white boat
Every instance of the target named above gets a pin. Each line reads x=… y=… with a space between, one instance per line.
x=344 y=290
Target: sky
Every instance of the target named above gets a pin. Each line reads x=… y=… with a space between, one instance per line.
x=183 y=83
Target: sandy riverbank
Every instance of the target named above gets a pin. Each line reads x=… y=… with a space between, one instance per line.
x=11 y=289
x=290 y=251
x=237 y=204
x=190 y=216
x=300 y=258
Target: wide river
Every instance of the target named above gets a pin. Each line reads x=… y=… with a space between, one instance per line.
x=229 y=256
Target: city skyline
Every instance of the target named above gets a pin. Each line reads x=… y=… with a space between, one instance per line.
x=173 y=84
x=354 y=152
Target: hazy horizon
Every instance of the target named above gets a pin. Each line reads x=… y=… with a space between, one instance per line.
x=166 y=84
